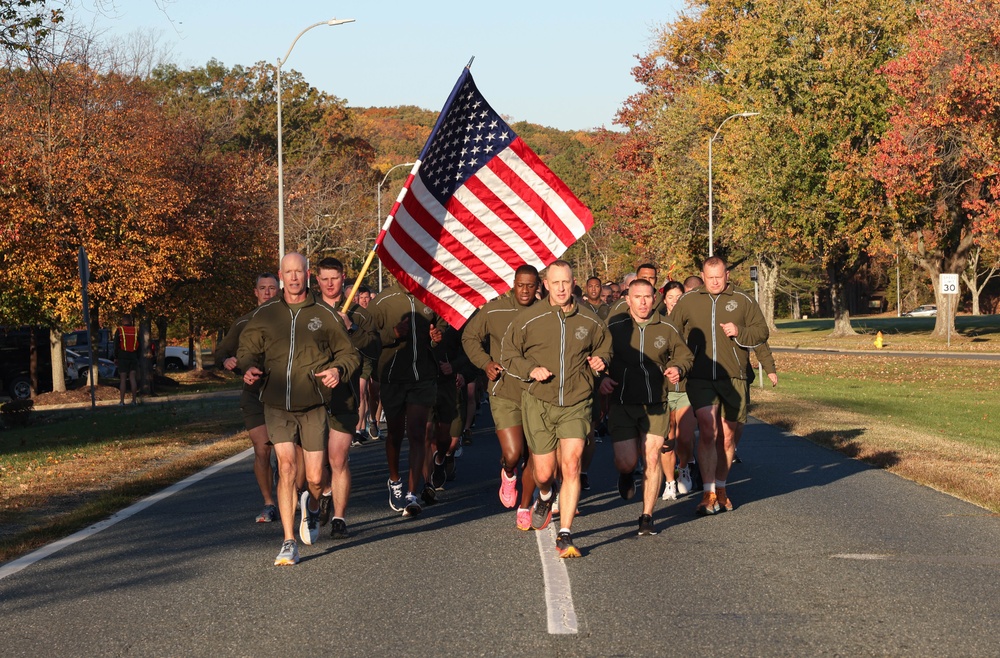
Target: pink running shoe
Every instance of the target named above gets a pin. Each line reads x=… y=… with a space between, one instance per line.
x=524 y=519
x=508 y=489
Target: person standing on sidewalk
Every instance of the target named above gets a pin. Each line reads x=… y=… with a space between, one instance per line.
x=300 y=349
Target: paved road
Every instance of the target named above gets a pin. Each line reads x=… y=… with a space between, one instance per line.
x=823 y=555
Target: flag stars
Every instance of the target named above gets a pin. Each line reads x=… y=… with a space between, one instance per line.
x=491 y=137
x=478 y=137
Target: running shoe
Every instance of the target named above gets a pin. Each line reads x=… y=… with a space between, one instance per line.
x=467 y=437
x=541 y=513
x=449 y=466
x=338 y=529
x=357 y=439
x=555 y=505
x=523 y=519
x=709 y=504
x=670 y=491
x=626 y=486
x=584 y=482
x=736 y=458
x=396 y=502
x=288 y=555
x=309 y=525
x=428 y=494
x=459 y=450
x=684 y=485
x=325 y=509
x=412 y=506
x=565 y=547
x=438 y=475
x=508 y=489
x=268 y=514
x=646 y=527
x=725 y=505
x=697 y=484
x=373 y=431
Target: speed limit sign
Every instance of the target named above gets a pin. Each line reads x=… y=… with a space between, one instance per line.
x=949 y=284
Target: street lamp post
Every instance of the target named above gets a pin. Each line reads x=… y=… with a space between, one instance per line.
x=378 y=216
x=711 y=249
x=281 y=173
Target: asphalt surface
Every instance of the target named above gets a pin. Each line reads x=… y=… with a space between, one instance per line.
x=822 y=556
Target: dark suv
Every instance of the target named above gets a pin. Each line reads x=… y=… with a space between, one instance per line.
x=15 y=361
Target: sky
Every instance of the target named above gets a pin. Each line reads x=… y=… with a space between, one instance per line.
x=561 y=64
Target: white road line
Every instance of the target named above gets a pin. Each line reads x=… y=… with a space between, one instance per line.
x=558 y=596
x=24 y=561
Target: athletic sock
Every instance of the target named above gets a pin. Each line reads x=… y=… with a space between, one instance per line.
x=545 y=497
x=562 y=530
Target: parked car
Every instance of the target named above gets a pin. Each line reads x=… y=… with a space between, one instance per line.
x=77 y=365
x=15 y=361
x=925 y=311
x=177 y=358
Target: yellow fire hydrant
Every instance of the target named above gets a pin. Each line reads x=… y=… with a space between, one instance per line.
x=878 y=340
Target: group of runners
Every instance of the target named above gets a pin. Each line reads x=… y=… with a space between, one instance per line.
x=556 y=362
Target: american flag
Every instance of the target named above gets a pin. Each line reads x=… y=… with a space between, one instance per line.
x=478 y=204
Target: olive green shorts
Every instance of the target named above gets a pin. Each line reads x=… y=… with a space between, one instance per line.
x=346 y=423
x=631 y=421
x=252 y=408
x=506 y=413
x=446 y=409
x=368 y=366
x=545 y=423
x=396 y=397
x=308 y=428
x=677 y=400
x=730 y=394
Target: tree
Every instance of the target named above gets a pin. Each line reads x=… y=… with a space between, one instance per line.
x=938 y=160
x=24 y=24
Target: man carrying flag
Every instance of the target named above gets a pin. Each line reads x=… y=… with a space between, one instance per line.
x=478 y=204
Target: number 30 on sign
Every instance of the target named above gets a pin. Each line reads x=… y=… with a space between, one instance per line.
x=949 y=284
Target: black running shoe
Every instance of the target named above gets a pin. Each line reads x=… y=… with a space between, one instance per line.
x=325 y=509
x=565 y=547
x=626 y=486
x=449 y=467
x=438 y=475
x=584 y=482
x=646 y=526
x=428 y=494
x=357 y=440
x=338 y=529
x=467 y=437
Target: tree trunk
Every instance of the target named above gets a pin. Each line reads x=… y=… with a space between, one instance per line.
x=196 y=346
x=58 y=363
x=841 y=314
x=145 y=367
x=796 y=305
x=161 y=337
x=767 y=279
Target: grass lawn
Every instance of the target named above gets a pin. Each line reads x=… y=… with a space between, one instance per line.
x=973 y=333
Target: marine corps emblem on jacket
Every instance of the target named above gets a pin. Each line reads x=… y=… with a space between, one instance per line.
x=315 y=324
x=659 y=342
x=581 y=333
x=731 y=305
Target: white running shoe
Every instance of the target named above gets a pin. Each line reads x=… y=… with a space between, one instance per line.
x=309 y=525
x=684 y=480
x=670 y=491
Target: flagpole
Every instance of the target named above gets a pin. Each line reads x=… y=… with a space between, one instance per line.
x=409 y=179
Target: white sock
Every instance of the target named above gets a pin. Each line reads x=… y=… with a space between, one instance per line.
x=543 y=496
x=562 y=530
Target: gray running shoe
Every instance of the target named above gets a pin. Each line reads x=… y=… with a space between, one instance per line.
x=309 y=525
x=412 y=506
x=288 y=555
x=541 y=513
x=373 y=431
x=565 y=547
x=268 y=515
x=396 y=502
